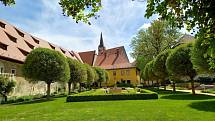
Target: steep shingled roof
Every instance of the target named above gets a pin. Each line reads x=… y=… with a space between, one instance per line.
x=88 y=57
x=15 y=44
x=112 y=56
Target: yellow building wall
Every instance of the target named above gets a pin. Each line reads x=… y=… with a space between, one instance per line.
x=120 y=75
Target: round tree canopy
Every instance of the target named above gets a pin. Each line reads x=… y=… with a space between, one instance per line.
x=46 y=65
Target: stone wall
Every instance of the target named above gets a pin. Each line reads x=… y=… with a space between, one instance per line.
x=23 y=87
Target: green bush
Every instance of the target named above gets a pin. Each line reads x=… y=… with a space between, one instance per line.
x=124 y=85
x=141 y=96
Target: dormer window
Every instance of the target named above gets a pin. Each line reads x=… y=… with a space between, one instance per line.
x=29 y=45
x=71 y=53
x=36 y=40
x=25 y=53
x=11 y=37
x=63 y=50
x=53 y=47
x=2 y=25
x=19 y=32
x=3 y=46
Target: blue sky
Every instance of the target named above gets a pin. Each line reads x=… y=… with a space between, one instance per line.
x=119 y=21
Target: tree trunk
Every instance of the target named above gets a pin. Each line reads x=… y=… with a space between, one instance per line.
x=193 y=87
x=73 y=87
x=5 y=97
x=69 y=88
x=164 y=83
x=48 y=89
x=174 y=90
x=148 y=82
x=100 y=84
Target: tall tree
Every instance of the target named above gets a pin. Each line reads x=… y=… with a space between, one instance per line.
x=78 y=73
x=46 y=65
x=194 y=15
x=90 y=75
x=179 y=65
x=150 y=42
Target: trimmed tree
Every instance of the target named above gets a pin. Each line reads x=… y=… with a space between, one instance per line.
x=101 y=75
x=90 y=74
x=160 y=67
x=46 y=65
x=6 y=86
x=199 y=58
x=145 y=73
x=179 y=64
x=78 y=73
x=151 y=74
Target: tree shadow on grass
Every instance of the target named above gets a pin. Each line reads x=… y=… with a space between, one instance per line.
x=35 y=101
x=188 y=97
x=208 y=106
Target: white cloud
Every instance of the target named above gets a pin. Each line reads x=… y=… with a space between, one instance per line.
x=119 y=21
x=145 y=26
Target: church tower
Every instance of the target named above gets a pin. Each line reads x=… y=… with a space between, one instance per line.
x=101 y=47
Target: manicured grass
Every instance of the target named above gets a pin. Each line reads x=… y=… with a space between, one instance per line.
x=177 y=107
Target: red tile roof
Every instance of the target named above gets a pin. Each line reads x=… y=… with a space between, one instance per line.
x=17 y=50
x=88 y=57
x=112 y=56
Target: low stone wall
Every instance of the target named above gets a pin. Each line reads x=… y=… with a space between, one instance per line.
x=23 y=87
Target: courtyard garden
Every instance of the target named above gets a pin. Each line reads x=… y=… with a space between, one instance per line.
x=169 y=107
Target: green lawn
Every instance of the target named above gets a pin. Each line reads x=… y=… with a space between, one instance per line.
x=178 y=107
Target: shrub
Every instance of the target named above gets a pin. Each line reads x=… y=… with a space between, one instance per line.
x=140 y=96
x=124 y=85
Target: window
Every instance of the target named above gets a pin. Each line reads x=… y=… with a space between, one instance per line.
x=53 y=47
x=1 y=69
x=25 y=53
x=2 y=25
x=19 y=32
x=13 y=71
x=11 y=37
x=36 y=40
x=128 y=81
x=122 y=72
x=71 y=53
x=29 y=45
x=114 y=73
x=3 y=46
x=123 y=81
x=63 y=50
x=127 y=72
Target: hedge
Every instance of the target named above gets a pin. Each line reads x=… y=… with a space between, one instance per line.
x=140 y=96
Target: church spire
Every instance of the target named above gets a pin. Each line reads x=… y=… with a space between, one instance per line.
x=101 y=41
x=101 y=47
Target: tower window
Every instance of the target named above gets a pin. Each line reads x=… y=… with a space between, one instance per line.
x=11 y=37
x=2 y=25
x=3 y=46
x=19 y=32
